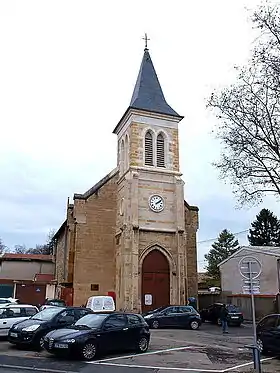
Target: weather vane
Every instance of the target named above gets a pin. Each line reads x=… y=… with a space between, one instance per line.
x=146 y=41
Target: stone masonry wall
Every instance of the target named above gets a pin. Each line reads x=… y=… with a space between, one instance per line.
x=94 y=261
x=191 y=220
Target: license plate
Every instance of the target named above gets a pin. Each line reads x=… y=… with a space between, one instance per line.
x=234 y=317
x=60 y=345
x=14 y=335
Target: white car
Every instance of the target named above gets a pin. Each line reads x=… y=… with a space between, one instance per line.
x=5 y=301
x=13 y=313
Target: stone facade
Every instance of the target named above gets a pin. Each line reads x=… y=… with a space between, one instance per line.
x=111 y=229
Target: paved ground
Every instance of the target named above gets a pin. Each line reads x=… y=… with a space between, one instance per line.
x=178 y=351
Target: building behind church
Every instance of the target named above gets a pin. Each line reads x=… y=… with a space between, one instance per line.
x=132 y=234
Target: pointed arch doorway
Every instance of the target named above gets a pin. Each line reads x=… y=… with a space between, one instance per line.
x=155 y=281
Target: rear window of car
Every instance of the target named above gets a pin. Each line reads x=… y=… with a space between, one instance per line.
x=134 y=320
x=233 y=309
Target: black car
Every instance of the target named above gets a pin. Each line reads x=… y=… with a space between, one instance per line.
x=99 y=333
x=32 y=331
x=53 y=303
x=212 y=314
x=173 y=316
x=268 y=334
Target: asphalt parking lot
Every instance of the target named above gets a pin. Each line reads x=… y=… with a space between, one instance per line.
x=206 y=350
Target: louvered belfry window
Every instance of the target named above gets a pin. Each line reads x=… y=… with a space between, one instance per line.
x=160 y=151
x=149 y=149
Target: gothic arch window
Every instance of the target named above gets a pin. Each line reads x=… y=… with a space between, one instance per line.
x=149 y=149
x=122 y=157
x=160 y=151
x=126 y=153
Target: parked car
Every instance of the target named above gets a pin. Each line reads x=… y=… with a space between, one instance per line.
x=268 y=333
x=5 y=301
x=53 y=303
x=100 y=333
x=101 y=303
x=173 y=316
x=212 y=314
x=32 y=332
x=13 y=313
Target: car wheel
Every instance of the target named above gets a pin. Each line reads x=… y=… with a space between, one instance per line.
x=261 y=347
x=143 y=344
x=155 y=324
x=88 y=351
x=194 y=325
x=39 y=344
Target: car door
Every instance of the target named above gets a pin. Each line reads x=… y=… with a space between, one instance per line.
x=4 y=328
x=114 y=333
x=9 y=317
x=135 y=326
x=267 y=330
x=168 y=316
x=183 y=316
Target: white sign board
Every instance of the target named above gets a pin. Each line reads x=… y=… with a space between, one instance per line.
x=148 y=299
x=250 y=268
x=247 y=289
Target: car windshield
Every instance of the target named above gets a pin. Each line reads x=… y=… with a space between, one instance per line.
x=92 y=321
x=46 y=314
x=233 y=309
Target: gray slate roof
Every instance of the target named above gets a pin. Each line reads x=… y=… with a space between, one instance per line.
x=147 y=94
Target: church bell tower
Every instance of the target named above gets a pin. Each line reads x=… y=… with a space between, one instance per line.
x=151 y=234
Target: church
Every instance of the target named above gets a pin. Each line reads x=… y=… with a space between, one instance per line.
x=133 y=235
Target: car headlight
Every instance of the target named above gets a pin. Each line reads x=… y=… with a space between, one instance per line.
x=70 y=340
x=148 y=316
x=31 y=328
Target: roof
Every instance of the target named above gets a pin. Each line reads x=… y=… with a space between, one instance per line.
x=148 y=94
x=97 y=186
x=264 y=250
x=60 y=229
x=189 y=207
x=44 y=277
x=28 y=257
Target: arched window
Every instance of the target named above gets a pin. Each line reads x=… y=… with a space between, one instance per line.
x=126 y=154
x=149 y=161
x=122 y=157
x=160 y=151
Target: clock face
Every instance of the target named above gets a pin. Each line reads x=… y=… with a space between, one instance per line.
x=156 y=203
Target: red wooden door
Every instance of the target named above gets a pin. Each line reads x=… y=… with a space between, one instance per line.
x=155 y=281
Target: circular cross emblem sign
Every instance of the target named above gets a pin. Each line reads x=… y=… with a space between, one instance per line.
x=250 y=267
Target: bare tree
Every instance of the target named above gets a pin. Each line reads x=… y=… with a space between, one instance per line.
x=248 y=116
x=20 y=249
x=2 y=246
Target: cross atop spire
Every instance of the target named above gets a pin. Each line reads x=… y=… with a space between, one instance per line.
x=146 y=41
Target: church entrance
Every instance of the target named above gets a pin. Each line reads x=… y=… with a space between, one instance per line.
x=155 y=281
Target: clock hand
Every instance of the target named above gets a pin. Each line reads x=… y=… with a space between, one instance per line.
x=158 y=202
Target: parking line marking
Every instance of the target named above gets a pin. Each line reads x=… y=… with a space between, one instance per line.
x=183 y=369
x=164 y=368
x=142 y=354
x=246 y=364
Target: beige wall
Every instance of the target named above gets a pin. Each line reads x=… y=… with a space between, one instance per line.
x=232 y=281
x=24 y=270
x=94 y=261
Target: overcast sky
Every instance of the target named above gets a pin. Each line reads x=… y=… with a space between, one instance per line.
x=67 y=72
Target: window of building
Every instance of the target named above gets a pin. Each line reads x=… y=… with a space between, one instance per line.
x=149 y=149
x=160 y=151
